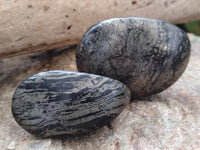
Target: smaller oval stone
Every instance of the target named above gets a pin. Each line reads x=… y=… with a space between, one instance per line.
x=56 y=103
x=147 y=55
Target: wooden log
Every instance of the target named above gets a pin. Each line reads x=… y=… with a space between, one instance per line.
x=31 y=26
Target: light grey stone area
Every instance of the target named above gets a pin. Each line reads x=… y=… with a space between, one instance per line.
x=146 y=54
x=56 y=103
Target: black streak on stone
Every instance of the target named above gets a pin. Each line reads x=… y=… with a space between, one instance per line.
x=146 y=54
x=67 y=103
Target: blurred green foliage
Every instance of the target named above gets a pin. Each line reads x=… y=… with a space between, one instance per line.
x=192 y=27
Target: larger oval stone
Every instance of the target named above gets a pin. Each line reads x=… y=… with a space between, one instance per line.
x=60 y=102
x=148 y=55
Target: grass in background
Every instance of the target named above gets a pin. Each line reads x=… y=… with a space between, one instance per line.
x=192 y=27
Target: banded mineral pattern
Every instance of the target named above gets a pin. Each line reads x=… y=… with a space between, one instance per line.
x=62 y=102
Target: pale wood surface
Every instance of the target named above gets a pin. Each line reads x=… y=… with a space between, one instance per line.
x=30 y=26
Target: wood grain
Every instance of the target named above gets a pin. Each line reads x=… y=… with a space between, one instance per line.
x=32 y=26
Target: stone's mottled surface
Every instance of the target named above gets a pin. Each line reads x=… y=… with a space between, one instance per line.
x=168 y=120
x=62 y=102
x=148 y=55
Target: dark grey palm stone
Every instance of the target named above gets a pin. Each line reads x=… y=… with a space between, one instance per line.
x=67 y=103
x=146 y=54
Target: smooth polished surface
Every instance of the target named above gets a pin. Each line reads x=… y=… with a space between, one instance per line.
x=168 y=120
x=63 y=102
x=148 y=55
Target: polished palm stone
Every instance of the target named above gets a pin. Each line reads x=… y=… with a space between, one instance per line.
x=56 y=103
x=146 y=54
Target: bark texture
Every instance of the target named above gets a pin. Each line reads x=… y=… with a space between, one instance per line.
x=30 y=26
